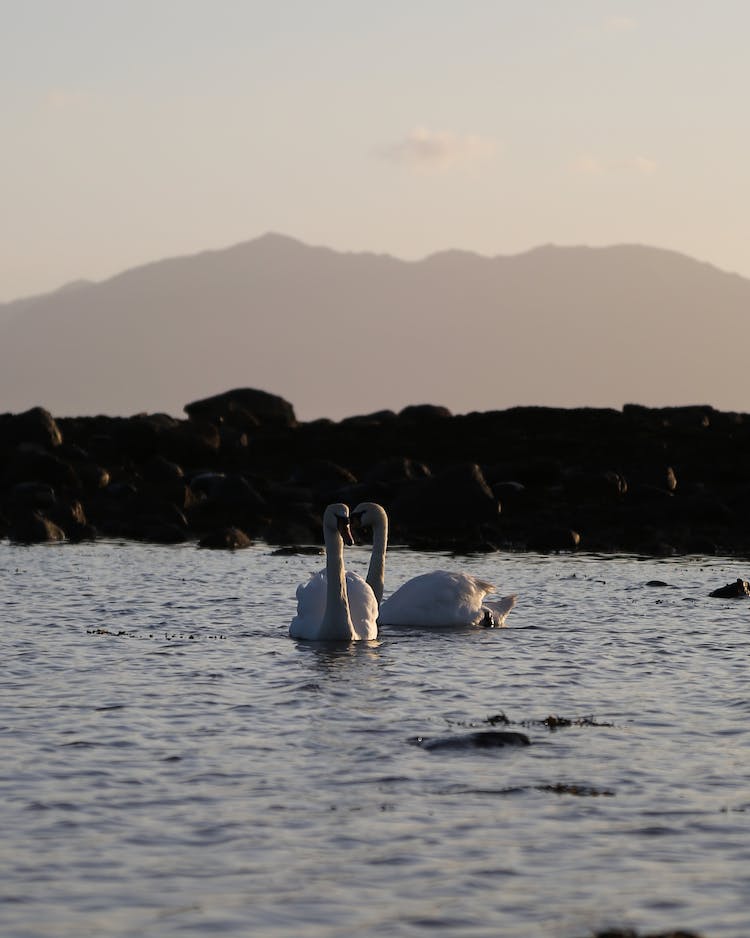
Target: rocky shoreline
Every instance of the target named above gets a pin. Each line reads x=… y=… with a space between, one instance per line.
x=241 y=467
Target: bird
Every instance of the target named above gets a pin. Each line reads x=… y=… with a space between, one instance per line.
x=335 y=605
x=440 y=599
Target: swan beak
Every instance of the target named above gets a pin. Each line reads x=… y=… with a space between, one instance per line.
x=345 y=531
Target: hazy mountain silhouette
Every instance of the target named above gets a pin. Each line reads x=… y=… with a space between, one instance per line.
x=339 y=334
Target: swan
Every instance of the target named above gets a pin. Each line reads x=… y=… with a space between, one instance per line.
x=433 y=600
x=334 y=606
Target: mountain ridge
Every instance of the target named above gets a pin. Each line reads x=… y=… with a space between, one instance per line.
x=276 y=238
x=342 y=333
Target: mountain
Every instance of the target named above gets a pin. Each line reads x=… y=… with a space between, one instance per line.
x=341 y=333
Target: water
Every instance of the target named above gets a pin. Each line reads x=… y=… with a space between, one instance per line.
x=173 y=764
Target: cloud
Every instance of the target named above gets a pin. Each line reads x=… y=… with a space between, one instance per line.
x=644 y=165
x=588 y=165
x=425 y=149
x=620 y=24
x=65 y=100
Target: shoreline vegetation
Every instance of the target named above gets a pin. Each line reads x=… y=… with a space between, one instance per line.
x=240 y=467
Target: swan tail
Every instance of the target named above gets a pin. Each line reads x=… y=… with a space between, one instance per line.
x=497 y=610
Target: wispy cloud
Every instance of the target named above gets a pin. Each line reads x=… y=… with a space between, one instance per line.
x=644 y=165
x=67 y=99
x=620 y=24
x=589 y=165
x=439 y=151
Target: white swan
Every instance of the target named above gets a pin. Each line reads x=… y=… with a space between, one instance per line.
x=334 y=606
x=440 y=599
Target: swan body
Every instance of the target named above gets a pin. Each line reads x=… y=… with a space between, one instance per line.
x=441 y=599
x=334 y=605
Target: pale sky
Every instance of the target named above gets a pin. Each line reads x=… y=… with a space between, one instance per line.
x=134 y=130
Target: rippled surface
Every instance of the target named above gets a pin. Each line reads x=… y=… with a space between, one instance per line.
x=174 y=764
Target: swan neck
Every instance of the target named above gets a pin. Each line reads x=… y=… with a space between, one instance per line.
x=376 y=570
x=337 y=621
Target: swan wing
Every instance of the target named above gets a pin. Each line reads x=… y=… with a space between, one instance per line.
x=363 y=607
x=439 y=599
x=311 y=605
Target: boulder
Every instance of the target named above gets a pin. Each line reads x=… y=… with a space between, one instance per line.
x=456 y=498
x=35 y=529
x=32 y=426
x=396 y=469
x=419 y=413
x=323 y=477
x=29 y=495
x=30 y=462
x=226 y=500
x=225 y=539
x=244 y=408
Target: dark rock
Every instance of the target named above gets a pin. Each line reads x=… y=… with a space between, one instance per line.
x=369 y=420
x=225 y=539
x=598 y=486
x=454 y=499
x=69 y=515
x=91 y=475
x=508 y=492
x=550 y=539
x=484 y=739
x=396 y=469
x=25 y=495
x=122 y=510
x=229 y=501
x=191 y=443
x=33 y=426
x=234 y=443
x=245 y=408
x=629 y=933
x=737 y=590
x=35 y=529
x=227 y=489
x=68 y=512
x=610 y=475
x=293 y=550
x=322 y=476
x=159 y=470
x=30 y=462
x=306 y=529
x=420 y=413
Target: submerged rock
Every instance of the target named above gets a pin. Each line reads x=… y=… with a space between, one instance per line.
x=629 y=933
x=303 y=550
x=737 y=590
x=484 y=739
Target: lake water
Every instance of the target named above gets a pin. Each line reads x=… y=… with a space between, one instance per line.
x=173 y=764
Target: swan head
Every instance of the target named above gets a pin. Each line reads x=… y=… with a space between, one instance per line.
x=336 y=518
x=369 y=515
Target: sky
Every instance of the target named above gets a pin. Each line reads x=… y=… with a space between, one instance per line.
x=134 y=130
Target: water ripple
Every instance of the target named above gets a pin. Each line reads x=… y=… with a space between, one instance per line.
x=174 y=764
